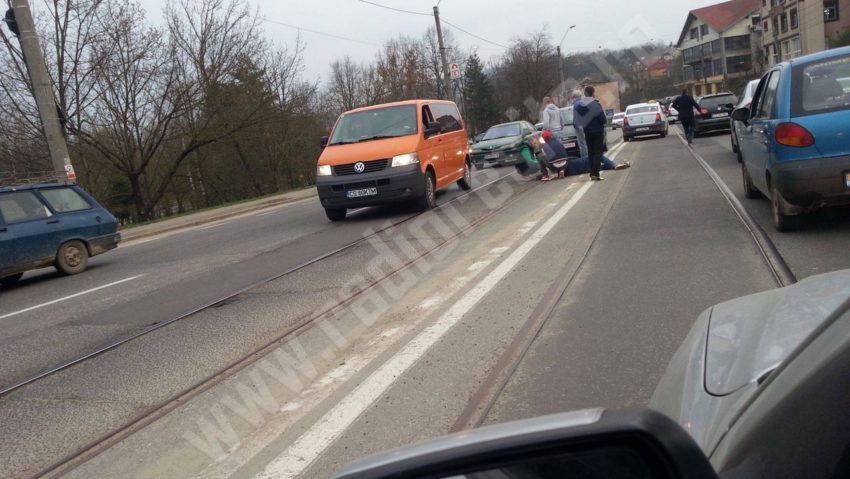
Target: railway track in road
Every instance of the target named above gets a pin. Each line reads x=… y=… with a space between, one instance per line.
x=486 y=396
x=154 y=413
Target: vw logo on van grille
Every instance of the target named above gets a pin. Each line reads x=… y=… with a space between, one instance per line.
x=359 y=167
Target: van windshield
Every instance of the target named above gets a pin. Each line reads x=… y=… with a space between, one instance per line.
x=390 y=122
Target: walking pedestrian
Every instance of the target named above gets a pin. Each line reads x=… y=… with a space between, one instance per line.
x=685 y=105
x=593 y=121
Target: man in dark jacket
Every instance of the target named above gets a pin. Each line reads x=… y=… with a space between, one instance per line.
x=685 y=105
x=593 y=120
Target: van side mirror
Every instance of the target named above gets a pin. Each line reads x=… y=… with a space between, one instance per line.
x=741 y=114
x=432 y=128
x=592 y=443
x=323 y=142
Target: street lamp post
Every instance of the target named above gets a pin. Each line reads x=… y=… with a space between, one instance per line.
x=561 y=66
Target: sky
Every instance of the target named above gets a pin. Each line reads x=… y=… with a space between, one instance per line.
x=611 y=24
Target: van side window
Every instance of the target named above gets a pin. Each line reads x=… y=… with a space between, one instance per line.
x=22 y=206
x=448 y=117
x=64 y=200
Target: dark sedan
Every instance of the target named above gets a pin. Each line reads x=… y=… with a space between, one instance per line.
x=502 y=144
x=714 y=112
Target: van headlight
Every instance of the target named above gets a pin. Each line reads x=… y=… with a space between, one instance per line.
x=324 y=170
x=406 y=159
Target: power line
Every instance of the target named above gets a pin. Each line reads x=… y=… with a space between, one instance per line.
x=472 y=34
x=331 y=35
x=397 y=9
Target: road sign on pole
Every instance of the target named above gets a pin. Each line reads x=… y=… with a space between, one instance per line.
x=455 y=70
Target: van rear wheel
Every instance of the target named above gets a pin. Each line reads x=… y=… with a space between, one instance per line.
x=465 y=183
x=72 y=258
x=10 y=280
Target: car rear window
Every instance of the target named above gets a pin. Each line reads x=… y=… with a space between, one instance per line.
x=642 y=109
x=503 y=131
x=821 y=87
x=713 y=102
x=22 y=206
x=64 y=200
x=567 y=116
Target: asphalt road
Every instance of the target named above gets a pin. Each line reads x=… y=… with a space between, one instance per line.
x=647 y=250
x=155 y=279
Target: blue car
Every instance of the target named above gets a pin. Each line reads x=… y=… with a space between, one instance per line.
x=795 y=143
x=51 y=225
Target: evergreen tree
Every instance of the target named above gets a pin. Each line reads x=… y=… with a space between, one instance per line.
x=481 y=109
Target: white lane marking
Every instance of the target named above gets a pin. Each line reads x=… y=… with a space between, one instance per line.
x=214 y=225
x=307 y=448
x=268 y=212
x=72 y=296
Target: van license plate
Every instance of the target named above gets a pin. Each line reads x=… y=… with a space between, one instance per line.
x=362 y=192
x=847 y=180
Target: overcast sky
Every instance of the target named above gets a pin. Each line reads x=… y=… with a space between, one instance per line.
x=608 y=23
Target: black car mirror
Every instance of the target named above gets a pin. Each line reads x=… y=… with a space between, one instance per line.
x=323 y=142
x=432 y=129
x=741 y=114
x=590 y=444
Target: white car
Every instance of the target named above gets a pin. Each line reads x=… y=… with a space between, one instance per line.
x=673 y=117
x=644 y=119
x=617 y=120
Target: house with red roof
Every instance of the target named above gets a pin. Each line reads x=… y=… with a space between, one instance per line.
x=721 y=46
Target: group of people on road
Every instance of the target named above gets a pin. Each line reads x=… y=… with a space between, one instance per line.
x=589 y=122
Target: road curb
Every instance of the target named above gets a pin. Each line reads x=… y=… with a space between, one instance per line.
x=132 y=234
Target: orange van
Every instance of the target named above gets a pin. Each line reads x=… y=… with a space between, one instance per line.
x=402 y=151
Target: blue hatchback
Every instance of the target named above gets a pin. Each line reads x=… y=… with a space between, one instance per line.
x=795 y=145
x=51 y=225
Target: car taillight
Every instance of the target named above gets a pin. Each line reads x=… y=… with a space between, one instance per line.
x=794 y=135
x=658 y=117
x=703 y=112
x=625 y=121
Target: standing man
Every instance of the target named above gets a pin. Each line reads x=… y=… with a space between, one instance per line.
x=578 y=125
x=551 y=117
x=685 y=105
x=593 y=121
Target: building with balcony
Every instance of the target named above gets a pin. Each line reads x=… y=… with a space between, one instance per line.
x=721 y=46
x=798 y=27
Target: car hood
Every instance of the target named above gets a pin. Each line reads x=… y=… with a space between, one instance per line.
x=750 y=336
x=495 y=144
x=369 y=150
x=734 y=344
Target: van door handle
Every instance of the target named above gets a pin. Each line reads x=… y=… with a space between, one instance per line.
x=52 y=222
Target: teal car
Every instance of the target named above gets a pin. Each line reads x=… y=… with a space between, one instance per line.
x=794 y=145
x=51 y=225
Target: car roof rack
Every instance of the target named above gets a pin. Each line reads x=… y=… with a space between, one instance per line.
x=12 y=179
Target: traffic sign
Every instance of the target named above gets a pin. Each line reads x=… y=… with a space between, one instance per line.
x=455 y=70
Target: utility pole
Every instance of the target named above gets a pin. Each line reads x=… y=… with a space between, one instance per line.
x=562 y=87
x=42 y=90
x=447 y=87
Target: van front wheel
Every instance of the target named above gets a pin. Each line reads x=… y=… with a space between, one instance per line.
x=336 y=214
x=10 y=280
x=72 y=258
x=428 y=200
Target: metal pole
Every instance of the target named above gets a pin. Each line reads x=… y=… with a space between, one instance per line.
x=561 y=71
x=446 y=76
x=42 y=90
